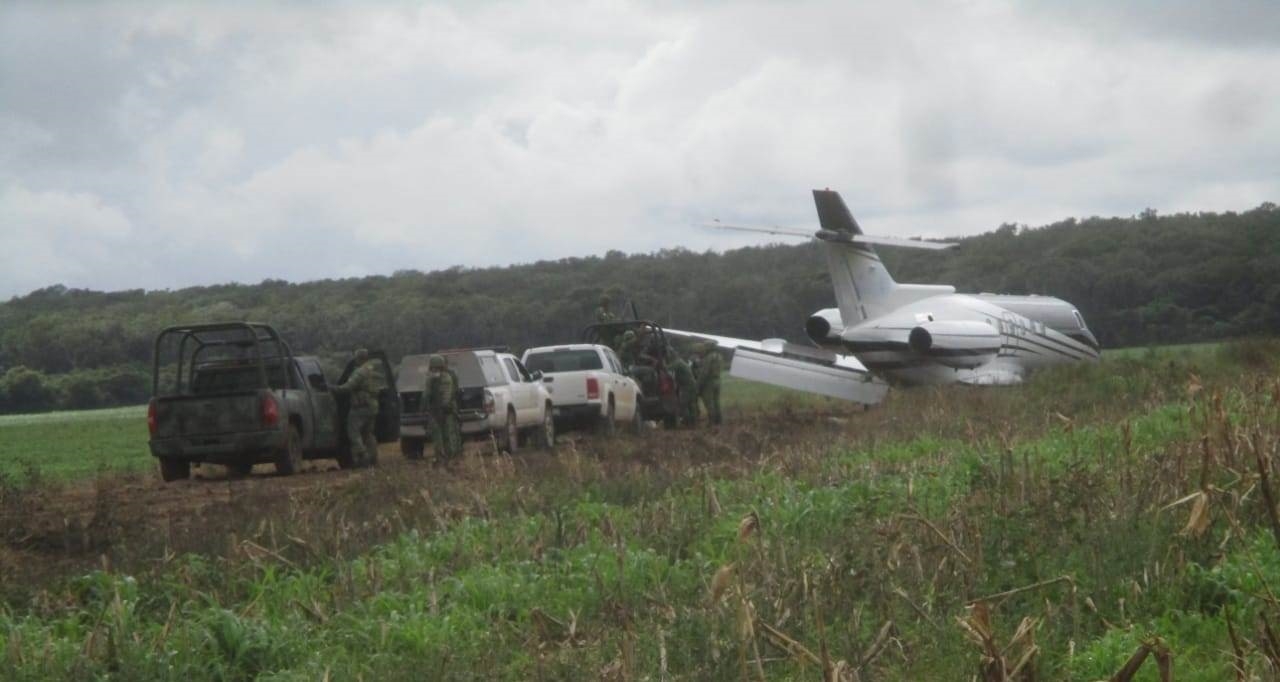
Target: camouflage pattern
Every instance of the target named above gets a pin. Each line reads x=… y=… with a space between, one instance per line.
x=709 y=367
x=441 y=393
x=363 y=386
x=688 y=387
x=629 y=349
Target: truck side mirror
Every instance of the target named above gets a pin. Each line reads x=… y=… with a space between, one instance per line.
x=536 y=375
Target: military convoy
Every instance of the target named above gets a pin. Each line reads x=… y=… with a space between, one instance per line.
x=234 y=394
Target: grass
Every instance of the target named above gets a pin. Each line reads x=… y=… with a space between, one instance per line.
x=1108 y=508
x=69 y=445
x=79 y=444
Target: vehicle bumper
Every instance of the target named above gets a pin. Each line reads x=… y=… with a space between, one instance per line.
x=576 y=412
x=229 y=447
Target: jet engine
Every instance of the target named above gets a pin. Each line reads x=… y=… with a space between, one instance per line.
x=962 y=344
x=825 y=327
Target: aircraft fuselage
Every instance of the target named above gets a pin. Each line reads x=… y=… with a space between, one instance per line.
x=974 y=339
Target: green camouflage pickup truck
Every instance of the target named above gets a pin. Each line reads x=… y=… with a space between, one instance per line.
x=235 y=394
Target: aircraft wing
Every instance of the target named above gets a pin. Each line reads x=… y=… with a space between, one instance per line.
x=802 y=368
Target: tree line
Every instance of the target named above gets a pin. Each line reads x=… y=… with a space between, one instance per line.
x=1144 y=280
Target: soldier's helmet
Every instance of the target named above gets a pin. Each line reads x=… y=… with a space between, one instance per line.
x=629 y=335
x=361 y=355
x=436 y=362
x=604 y=300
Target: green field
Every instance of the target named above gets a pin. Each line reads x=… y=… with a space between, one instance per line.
x=63 y=445
x=1094 y=512
x=68 y=445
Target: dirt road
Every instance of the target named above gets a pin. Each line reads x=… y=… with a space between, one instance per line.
x=135 y=519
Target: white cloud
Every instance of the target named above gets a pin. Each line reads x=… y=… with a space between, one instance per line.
x=364 y=138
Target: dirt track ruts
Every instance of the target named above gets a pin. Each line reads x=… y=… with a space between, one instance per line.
x=54 y=529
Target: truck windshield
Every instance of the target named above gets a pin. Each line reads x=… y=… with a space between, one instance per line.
x=550 y=362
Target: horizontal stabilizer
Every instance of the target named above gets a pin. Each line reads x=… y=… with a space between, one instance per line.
x=762 y=229
x=846 y=238
x=802 y=373
x=838 y=237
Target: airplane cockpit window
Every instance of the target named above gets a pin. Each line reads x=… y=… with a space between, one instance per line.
x=1079 y=320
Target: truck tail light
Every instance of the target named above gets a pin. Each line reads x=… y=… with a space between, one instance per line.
x=593 y=388
x=490 y=405
x=151 y=416
x=270 y=411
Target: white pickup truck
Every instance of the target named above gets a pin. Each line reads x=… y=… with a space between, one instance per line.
x=588 y=385
x=498 y=396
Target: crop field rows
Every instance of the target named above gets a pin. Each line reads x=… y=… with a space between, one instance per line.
x=1095 y=518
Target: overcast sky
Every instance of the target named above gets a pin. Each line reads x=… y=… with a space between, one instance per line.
x=162 y=145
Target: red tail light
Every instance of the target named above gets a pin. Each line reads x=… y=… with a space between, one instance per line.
x=490 y=406
x=593 y=388
x=270 y=411
x=151 y=417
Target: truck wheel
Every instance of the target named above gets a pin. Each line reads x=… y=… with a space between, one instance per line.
x=412 y=448
x=670 y=421
x=174 y=469
x=289 y=459
x=547 y=432
x=605 y=426
x=511 y=435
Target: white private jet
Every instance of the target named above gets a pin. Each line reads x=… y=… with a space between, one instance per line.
x=884 y=333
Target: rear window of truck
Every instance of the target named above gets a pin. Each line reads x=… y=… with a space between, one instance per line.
x=550 y=362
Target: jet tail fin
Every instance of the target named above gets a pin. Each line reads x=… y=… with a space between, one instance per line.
x=863 y=286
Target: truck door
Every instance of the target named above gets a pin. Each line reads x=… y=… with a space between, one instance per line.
x=520 y=391
x=387 y=426
x=324 y=409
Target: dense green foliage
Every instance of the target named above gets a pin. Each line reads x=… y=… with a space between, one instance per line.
x=1140 y=281
x=1054 y=503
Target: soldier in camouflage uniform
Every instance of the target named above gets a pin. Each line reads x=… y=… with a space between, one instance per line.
x=629 y=350
x=363 y=386
x=442 y=405
x=709 y=381
x=605 y=316
x=688 y=387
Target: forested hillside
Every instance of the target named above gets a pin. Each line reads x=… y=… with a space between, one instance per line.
x=1138 y=281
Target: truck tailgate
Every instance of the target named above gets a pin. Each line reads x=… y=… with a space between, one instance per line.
x=568 y=388
x=187 y=416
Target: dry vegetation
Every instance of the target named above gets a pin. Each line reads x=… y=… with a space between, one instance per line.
x=1106 y=522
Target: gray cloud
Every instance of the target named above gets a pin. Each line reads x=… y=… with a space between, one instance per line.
x=166 y=145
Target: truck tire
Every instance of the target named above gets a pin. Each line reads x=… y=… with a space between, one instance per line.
x=289 y=458
x=511 y=435
x=637 y=422
x=605 y=425
x=412 y=448
x=174 y=469
x=670 y=421
x=546 y=433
